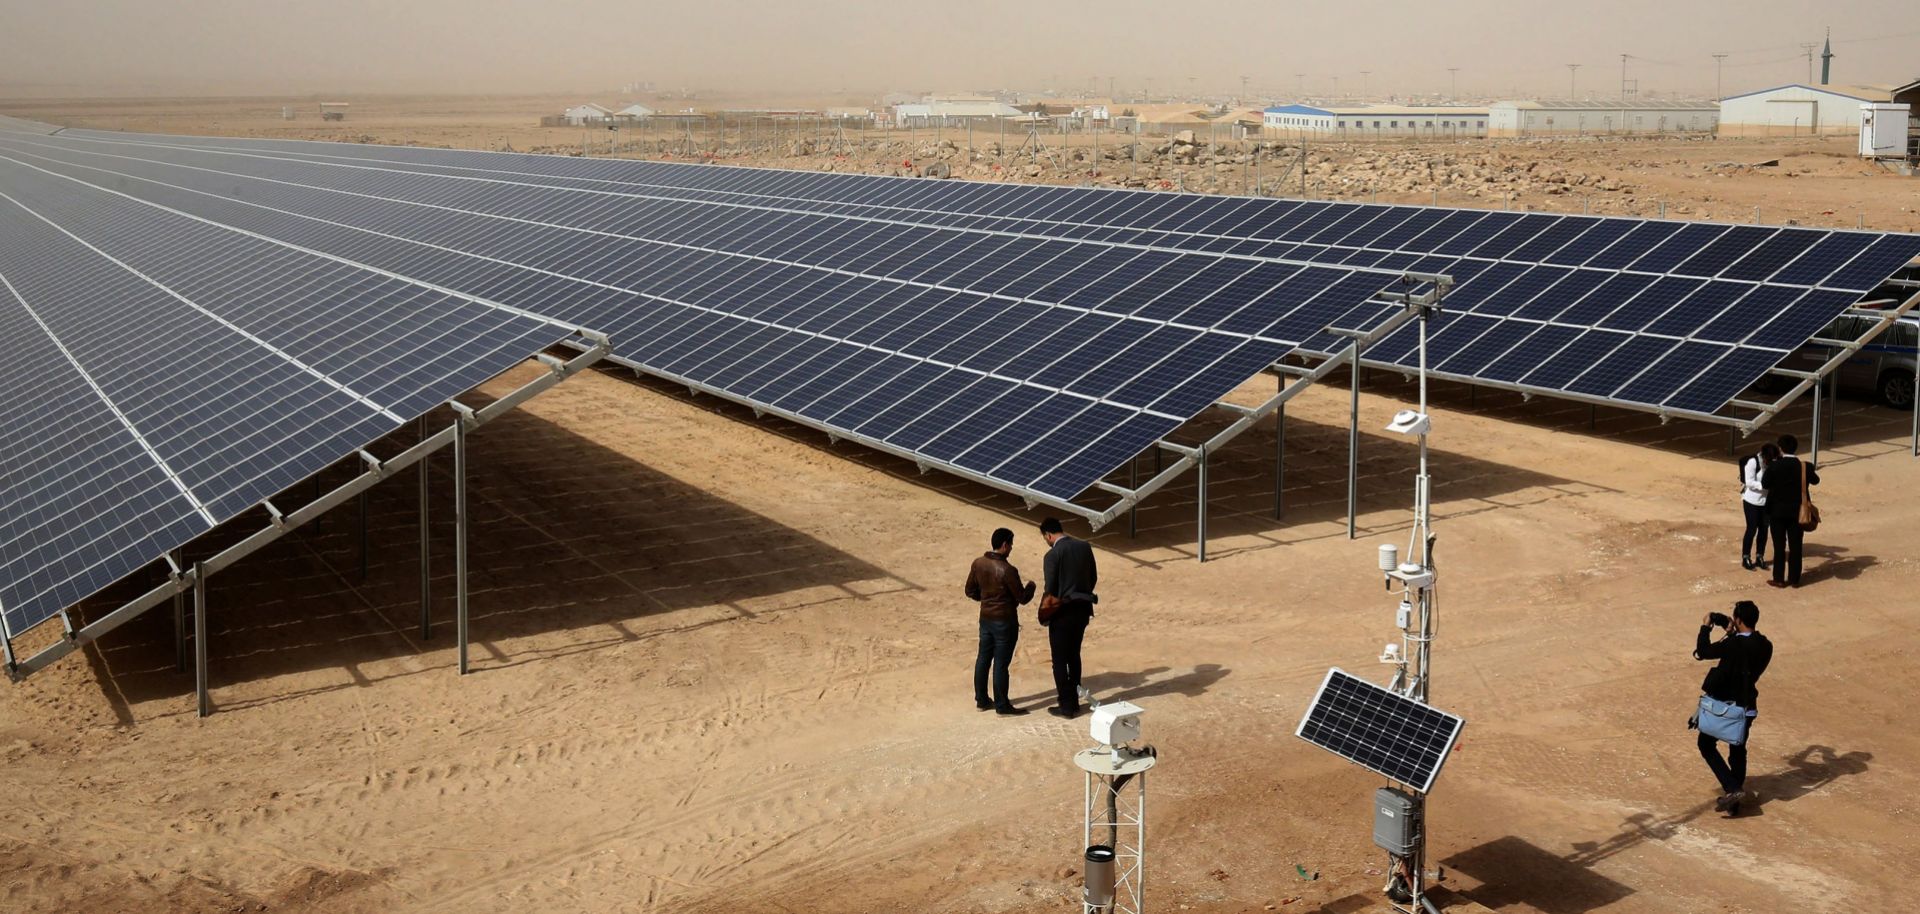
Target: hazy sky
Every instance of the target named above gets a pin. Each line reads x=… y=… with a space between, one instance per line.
x=265 y=47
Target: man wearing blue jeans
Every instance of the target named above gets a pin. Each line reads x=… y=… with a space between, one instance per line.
x=996 y=584
x=1743 y=655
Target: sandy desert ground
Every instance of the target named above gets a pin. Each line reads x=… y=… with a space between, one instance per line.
x=722 y=664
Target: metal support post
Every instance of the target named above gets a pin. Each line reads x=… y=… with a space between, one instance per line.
x=426 y=550
x=200 y=640
x=363 y=537
x=1133 y=482
x=1817 y=397
x=1833 y=409
x=1280 y=459
x=179 y=622
x=1914 y=404
x=460 y=534
x=1201 y=499
x=1353 y=444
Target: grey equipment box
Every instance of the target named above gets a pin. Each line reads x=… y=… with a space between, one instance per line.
x=1396 y=821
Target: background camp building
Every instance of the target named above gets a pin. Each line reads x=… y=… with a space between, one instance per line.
x=1548 y=118
x=1375 y=120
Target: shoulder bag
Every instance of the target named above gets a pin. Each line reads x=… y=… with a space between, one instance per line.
x=1809 y=512
x=1722 y=720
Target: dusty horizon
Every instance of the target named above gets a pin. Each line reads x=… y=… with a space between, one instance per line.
x=853 y=49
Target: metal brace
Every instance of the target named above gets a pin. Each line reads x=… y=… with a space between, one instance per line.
x=274 y=516
x=466 y=413
x=558 y=367
x=374 y=466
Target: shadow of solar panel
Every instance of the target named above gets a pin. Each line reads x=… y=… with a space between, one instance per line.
x=1379 y=730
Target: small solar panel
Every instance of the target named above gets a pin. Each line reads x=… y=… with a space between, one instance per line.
x=1379 y=730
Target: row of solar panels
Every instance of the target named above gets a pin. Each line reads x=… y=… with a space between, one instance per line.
x=1034 y=338
x=1668 y=315
x=164 y=375
x=1039 y=363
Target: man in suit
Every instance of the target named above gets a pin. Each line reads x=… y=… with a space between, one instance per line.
x=1070 y=575
x=996 y=584
x=1783 y=490
x=1743 y=655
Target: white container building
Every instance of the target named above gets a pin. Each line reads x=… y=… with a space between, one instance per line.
x=1801 y=110
x=1598 y=118
x=1436 y=122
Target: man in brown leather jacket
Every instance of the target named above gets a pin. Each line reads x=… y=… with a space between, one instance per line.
x=996 y=584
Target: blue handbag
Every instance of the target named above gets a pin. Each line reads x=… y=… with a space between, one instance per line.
x=1722 y=720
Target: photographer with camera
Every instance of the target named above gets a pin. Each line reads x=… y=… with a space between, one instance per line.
x=1730 y=696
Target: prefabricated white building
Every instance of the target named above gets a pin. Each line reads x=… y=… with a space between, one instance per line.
x=1801 y=110
x=1592 y=117
x=1375 y=120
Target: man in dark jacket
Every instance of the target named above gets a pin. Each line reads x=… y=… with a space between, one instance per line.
x=996 y=584
x=1743 y=655
x=1782 y=484
x=1071 y=575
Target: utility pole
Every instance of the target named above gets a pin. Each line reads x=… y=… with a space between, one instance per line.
x=1336 y=87
x=1718 y=60
x=1363 y=83
x=1109 y=88
x=1623 y=74
x=1453 y=76
x=1243 y=90
x=1300 y=85
x=1808 y=46
x=1573 y=82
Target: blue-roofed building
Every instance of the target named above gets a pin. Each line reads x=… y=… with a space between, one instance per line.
x=1434 y=121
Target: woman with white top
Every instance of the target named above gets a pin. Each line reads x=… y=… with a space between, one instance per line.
x=1753 y=500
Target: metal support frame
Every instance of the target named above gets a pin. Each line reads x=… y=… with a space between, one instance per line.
x=1353 y=441
x=1200 y=499
x=592 y=351
x=426 y=547
x=460 y=424
x=363 y=536
x=1765 y=412
x=179 y=615
x=203 y=700
x=1280 y=459
x=1096 y=518
x=1108 y=808
x=1817 y=397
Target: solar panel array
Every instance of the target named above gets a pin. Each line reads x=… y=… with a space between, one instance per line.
x=1380 y=730
x=1034 y=338
x=1040 y=364
x=163 y=375
x=1671 y=316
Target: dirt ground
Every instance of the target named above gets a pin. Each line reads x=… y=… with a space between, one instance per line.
x=722 y=664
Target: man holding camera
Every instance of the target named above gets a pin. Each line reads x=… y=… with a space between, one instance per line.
x=1731 y=695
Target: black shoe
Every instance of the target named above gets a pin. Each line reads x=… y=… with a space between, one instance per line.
x=983 y=705
x=1729 y=800
x=1776 y=583
x=1063 y=712
x=1760 y=561
x=1010 y=711
x=1746 y=563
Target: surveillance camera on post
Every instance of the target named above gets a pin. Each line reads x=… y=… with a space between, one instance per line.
x=1116 y=725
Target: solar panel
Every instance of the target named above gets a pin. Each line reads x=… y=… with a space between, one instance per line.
x=936 y=339
x=1660 y=282
x=165 y=374
x=1379 y=730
